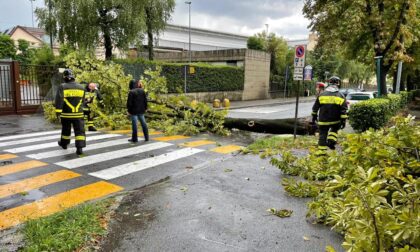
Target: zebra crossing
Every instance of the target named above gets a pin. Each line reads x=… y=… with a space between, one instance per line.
x=34 y=163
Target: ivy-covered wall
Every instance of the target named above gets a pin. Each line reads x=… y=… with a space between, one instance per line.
x=206 y=78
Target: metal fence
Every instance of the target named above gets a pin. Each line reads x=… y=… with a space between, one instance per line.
x=6 y=86
x=23 y=88
x=36 y=83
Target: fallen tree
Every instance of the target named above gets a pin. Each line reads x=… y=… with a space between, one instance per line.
x=274 y=126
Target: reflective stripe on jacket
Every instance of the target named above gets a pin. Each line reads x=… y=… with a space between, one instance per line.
x=69 y=100
x=332 y=107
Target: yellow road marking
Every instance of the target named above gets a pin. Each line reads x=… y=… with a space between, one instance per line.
x=170 y=138
x=7 y=156
x=36 y=182
x=56 y=203
x=197 y=143
x=126 y=132
x=13 y=168
x=227 y=149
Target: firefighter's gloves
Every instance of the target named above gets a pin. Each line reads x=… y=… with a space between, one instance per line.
x=343 y=124
x=314 y=118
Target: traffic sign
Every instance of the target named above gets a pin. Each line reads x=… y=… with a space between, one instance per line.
x=298 y=73
x=307 y=74
x=300 y=52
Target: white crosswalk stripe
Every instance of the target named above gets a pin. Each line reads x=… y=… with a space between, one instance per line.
x=125 y=169
x=89 y=147
x=43 y=145
x=44 y=133
x=38 y=139
x=107 y=156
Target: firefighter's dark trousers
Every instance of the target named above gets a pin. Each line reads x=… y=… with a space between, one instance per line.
x=88 y=117
x=327 y=137
x=79 y=132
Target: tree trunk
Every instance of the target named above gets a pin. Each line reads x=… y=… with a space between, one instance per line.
x=106 y=30
x=384 y=73
x=394 y=81
x=277 y=126
x=108 y=44
x=149 y=26
x=410 y=85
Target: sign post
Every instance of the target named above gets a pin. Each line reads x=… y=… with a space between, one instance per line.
x=397 y=87
x=300 y=51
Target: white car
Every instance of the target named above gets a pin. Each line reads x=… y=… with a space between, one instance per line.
x=353 y=98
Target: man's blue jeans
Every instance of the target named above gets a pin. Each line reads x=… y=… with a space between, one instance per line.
x=142 y=120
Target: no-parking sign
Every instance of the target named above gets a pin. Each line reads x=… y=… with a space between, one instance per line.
x=300 y=51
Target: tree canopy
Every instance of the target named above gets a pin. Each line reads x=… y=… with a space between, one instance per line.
x=157 y=14
x=276 y=46
x=7 y=47
x=366 y=28
x=88 y=24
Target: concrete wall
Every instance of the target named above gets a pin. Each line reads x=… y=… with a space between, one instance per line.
x=210 y=96
x=256 y=65
x=257 y=75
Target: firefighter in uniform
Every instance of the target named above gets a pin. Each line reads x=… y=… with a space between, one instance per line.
x=92 y=92
x=69 y=107
x=332 y=107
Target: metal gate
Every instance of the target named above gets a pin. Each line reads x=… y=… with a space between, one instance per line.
x=23 y=88
x=7 y=88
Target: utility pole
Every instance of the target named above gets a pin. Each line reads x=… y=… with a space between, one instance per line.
x=49 y=21
x=266 y=28
x=189 y=29
x=32 y=8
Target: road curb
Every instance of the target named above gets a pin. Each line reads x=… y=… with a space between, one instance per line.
x=265 y=105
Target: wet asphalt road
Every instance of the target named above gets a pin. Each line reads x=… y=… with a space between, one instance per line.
x=211 y=208
x=204 y=203
x=281 y=111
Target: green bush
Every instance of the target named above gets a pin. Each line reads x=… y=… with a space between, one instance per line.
x=372 y=113
x=207 y=78
x=375 y=113
x=368 y=191
x=396 y=103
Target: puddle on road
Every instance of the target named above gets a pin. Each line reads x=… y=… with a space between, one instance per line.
x=21 y=199
x=7 y=162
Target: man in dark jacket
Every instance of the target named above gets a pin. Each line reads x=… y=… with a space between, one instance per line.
x=137 y=107
x=69 y=107
x=332 y=107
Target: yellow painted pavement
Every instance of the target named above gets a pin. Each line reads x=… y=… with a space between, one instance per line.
x=126 y=132
x=197 y=143
x=227 y=149
x=170 y=138
x=36 y=182
x=18 y=167
x=56 y=203
x=7 y=156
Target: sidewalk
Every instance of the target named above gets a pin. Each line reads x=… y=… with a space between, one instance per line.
x=14 y=124
x=269 y=102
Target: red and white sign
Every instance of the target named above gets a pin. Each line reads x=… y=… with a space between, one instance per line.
x=300 y=51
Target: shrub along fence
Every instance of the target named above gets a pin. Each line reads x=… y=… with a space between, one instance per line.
x=375 y=113
x=200 y=77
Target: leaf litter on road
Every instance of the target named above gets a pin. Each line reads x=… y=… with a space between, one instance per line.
x=282 y=213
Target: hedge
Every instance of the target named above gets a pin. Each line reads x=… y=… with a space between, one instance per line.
x=207 y=78
x=375 y=113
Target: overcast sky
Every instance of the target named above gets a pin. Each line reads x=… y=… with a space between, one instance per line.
x=246 y=17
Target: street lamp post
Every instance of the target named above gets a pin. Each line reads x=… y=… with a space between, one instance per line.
x=189 y=29
x=32 y=8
